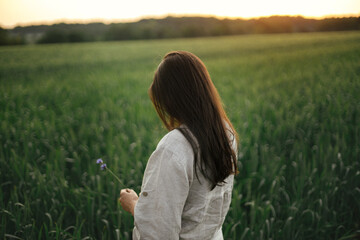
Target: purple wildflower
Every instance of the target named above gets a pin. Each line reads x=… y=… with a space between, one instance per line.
x=103 y=166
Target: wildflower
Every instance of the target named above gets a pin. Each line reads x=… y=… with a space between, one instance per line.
x=103 y=166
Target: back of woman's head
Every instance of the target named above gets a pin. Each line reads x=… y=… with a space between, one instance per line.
x=183 y=93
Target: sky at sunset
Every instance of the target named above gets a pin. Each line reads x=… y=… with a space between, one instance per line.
x=26 y=12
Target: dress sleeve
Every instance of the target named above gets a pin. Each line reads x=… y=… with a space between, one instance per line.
x=165 y=188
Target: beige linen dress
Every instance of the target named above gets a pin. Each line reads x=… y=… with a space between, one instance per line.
x=173 y=203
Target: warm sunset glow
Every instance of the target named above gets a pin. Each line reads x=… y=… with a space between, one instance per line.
x=25 y=12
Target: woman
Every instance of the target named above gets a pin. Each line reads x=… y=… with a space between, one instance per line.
x=187 y=184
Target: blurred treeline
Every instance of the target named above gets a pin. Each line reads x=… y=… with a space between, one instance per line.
x=171 y=27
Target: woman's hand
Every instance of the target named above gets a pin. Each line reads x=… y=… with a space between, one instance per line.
x=128 y=199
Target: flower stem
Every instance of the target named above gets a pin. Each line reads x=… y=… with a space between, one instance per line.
x=115 y=177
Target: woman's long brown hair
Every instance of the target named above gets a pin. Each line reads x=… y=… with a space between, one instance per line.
x=183 y=93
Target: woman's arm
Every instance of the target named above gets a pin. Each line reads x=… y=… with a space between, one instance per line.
x=158 y=210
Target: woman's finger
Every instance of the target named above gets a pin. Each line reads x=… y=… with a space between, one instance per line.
x=123 y=191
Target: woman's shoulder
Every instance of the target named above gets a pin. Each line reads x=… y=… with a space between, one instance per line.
x=173 y=139
x=175 y=142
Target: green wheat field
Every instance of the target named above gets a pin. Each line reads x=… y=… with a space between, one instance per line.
x=293 y=98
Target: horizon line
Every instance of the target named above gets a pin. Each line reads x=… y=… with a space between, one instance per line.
x=136 y=19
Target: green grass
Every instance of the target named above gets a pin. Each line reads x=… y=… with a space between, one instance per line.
x=293 y=98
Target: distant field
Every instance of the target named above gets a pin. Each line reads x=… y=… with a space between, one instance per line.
x=293 y=98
